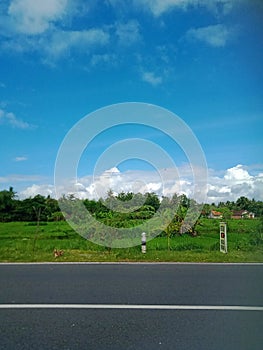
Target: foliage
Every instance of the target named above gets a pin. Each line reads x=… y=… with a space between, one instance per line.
x=7 y=204
x=172 y=216
x=242 y=203
x=20 y=243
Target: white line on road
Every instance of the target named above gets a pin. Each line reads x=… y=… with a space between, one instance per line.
x=132 y=307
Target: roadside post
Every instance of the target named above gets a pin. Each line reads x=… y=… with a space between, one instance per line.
x=143 y=242
x=223 y=237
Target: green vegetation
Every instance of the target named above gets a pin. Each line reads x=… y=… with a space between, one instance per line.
x=29 y=242
x=32 y=228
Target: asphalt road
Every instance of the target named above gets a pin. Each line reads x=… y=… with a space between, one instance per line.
x=57 y=306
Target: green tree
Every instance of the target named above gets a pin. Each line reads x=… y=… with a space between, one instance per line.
x=51 y=206
x=206 y=210
x=7 y=204
x=152 y=200
x=124 y=197
x=226 y=213
x=243 y=203
x=184 y=201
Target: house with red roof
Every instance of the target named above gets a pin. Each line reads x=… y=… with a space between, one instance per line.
x=215 y=215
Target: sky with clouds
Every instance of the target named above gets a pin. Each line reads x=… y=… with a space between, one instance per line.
x=63 y=59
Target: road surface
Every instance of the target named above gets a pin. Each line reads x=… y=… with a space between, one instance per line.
x=131 y=306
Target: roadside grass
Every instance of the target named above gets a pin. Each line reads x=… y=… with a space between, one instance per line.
x=28 y=242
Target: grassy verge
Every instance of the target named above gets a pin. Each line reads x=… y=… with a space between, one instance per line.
x=26 y=242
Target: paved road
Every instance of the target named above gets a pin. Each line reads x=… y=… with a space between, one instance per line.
x=194 y=286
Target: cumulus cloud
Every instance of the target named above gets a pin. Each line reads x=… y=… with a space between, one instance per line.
x=9 y=118
x=214 y=35
x=234 y=183
x=237 y=174
x=32 y=191
x=95 y=187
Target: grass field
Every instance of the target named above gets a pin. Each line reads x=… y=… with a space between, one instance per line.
x=27 y=242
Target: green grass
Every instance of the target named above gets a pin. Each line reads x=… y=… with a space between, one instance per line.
x=27 y=242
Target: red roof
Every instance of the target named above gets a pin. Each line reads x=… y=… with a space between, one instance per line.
x=216 y=213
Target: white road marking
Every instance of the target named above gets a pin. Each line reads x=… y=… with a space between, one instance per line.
x=133 y=307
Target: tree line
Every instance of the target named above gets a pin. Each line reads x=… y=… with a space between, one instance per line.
x=121 y=210
x=228 y=207
x=37 y=208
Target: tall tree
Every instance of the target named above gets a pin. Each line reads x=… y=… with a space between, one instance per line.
x=152 y=200
x=7 y=204
x=243 y=203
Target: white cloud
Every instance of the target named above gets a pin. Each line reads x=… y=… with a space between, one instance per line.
x=237 y=174
x=45 y=28
x=151 y=78
x=35 y=16
x=44 y=190
x=9 y=118
x=20 y=159
x=58 y=43
x=128 y=33
x=229 y=186
x=159 y=7
x=214 y=35
x=61 y=42
x=235 y=183
x=163 y=183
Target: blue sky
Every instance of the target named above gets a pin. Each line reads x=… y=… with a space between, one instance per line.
x=62 y=59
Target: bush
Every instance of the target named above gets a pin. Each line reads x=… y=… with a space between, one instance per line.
x=256 y=239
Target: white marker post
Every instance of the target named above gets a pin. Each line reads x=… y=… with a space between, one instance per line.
x=223 y=237
x=143 y=242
